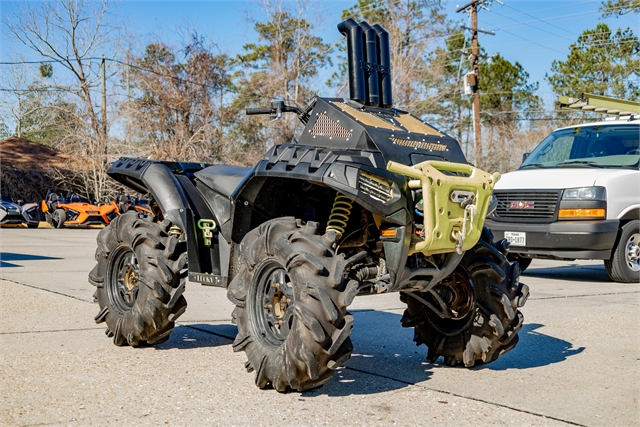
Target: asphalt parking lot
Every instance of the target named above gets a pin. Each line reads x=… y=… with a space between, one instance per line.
x=576 y=364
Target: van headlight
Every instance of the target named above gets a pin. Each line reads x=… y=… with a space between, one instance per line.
x=585 y=193
x=583 y=203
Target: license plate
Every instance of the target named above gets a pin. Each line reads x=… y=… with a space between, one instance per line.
x=515 y=238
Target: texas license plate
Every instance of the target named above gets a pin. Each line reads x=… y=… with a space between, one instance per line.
x=516 y=238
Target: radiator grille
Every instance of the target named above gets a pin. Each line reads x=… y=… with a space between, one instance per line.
x=325 y=126
x=527 y=205
x=375 y=187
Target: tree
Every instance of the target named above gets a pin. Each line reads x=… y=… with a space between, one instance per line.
x=179 y=100
x=619 y=7
x=72 y=34
x=447 y=104
x=600 y=62
x=283 y=64
x=507 y=99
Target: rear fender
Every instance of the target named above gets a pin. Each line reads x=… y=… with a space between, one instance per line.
x=182 y=204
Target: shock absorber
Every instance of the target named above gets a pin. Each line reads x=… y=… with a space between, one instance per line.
x=340 y=213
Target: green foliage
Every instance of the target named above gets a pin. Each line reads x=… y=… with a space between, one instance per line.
x=619 y=7
x=505 y=90
x=600 y=62
x=282 y=64
x=46 y=70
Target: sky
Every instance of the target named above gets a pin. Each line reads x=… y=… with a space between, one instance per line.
x=533 y=33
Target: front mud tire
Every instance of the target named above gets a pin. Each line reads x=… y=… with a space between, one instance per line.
x=291 y=305
x=140 y=277
x=491 y=326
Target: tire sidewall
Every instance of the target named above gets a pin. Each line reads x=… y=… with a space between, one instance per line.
x=620 y=271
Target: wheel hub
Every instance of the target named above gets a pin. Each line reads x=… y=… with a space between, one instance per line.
x=457 y=293
x=273 y=304
x=633 y=252
x=122 y=280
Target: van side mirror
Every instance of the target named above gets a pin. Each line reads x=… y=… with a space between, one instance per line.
x=524 y=156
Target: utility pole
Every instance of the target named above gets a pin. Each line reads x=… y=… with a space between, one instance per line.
x=472 y=9
x=103 y=72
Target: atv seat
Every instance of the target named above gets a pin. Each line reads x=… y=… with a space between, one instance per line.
x=223 y=179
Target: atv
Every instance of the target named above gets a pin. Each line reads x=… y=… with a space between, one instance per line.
x=74 y=210
x=124 y=202
x=18 y=212
x=369 y=200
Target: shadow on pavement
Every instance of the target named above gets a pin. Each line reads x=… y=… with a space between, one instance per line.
x=9 y=256
x=385 y=357
x=187 y=337
x=571 y=272
x=534 y=350
x=386 y=353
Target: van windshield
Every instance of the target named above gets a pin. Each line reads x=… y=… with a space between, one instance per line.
x=601 y=146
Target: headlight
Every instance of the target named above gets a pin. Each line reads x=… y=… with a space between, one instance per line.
x=585 y=193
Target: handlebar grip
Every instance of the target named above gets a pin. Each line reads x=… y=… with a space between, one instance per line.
x=250 y=111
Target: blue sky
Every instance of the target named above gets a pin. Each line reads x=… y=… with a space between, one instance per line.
x=533 y=33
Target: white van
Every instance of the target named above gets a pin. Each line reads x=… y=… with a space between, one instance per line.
x=576 y=196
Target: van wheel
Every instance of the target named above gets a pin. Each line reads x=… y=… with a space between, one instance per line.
x=624 y=264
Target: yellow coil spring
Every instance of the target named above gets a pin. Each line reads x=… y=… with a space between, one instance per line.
x=340 y=212
x=175 y=231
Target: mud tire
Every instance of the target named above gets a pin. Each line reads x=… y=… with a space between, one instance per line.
x=159 y=267
x=622 y=267
x=523 y=262
x=491 y=327
x=58 y=218
x=314 y=340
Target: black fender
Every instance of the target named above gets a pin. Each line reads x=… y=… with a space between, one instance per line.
x=171 y=186
x=338 y=170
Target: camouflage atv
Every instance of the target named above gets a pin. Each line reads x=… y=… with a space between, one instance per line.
x=369 y=200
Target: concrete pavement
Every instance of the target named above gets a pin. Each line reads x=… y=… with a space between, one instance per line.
x=576 y=364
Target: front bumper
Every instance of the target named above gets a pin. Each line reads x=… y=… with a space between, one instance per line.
x=562 y=239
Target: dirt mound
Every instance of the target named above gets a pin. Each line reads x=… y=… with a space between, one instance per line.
x=21 y=153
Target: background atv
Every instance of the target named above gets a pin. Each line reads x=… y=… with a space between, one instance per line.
x=124 y=203
x=74 y=210
x=18 y=213
x=369 y=200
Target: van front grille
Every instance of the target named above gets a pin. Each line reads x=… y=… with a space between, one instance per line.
x=526 y=205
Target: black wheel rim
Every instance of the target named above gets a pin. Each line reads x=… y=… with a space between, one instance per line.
x=122 y=280
x=272 y=304
x=456 y=291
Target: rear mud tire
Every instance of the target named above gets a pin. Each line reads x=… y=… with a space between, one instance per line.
x=58 y=218
x=139 y=277
x=624 y=264
x=313 y=338
x=491 y=326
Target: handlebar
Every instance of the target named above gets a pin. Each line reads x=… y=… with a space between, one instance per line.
x=250 y=111
x=276 y=109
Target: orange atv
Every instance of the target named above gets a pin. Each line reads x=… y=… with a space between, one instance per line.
x=74 y=210
x=124 y=203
